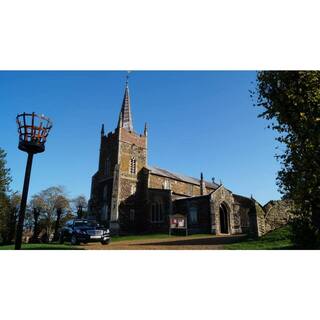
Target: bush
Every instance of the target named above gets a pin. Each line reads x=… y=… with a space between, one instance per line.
x=304 y=234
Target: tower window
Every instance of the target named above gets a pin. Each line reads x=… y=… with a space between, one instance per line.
x=133 y=166
x=133 y=189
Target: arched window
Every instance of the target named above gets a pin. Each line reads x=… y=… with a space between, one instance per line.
x=193 y=215
x=132 y=214
x=153 y=212
x=105 y=213
x=105 y=193
x=133 y=166
x=157 y=212
x=108 y=167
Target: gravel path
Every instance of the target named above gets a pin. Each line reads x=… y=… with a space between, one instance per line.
x=181 y=243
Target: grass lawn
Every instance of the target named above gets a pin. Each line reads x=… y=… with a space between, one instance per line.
x=276 y=240
x=42 y=246
x=67 y=246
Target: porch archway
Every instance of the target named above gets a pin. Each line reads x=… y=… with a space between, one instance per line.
x=224 y=219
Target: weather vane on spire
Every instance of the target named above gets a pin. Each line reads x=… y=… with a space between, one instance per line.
x=127 y=77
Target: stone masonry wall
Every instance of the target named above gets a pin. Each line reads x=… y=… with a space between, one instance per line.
x=179 y=187
x=274 y=215
x=131 y=146
x=277 y=214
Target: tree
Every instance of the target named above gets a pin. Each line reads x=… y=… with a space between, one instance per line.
x=54 y=203
x=291 y=100
x=14 y=203
x=61 y=204
x=5 y=180
x=4 y=218
x=36 y=205
x=81 y=204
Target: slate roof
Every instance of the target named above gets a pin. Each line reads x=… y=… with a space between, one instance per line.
x=176 y=176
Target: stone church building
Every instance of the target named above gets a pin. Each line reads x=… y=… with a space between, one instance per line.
x=130 y=196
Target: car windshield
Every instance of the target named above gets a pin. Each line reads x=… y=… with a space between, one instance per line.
x=85 y=223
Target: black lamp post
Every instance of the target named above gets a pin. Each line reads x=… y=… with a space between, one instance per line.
x=33 y=132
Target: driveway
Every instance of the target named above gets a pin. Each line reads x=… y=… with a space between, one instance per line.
x=170 y=243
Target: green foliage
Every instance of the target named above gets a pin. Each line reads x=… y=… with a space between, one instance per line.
x=5 y=178
x=15 y=200
x=4 y=218
x=5 y=212
x=291 y=101
x=305 y=235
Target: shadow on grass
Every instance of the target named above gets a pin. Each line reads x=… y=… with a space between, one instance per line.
x=210 y=240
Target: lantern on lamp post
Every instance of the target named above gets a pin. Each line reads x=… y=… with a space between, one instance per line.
x=33 y=131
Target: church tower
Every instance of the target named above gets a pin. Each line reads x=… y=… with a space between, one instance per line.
x=123 y=154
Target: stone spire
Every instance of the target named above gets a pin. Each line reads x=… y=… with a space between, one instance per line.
x=102 y=130
x=125 y=117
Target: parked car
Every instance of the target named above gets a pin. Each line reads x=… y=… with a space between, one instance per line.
x=83 y=230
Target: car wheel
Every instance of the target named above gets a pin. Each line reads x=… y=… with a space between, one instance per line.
x=74 y=240
x=61 y=239
x=104 y=242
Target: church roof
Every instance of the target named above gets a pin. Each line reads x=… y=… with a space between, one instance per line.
x=125 y=116
x=176 y=176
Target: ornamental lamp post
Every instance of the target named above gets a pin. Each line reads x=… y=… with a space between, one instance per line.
x=33 y=131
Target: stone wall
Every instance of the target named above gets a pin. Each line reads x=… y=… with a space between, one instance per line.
x=277 y=214
x=259 y=219
x=274 y=215
x=131 y=146
x=108 y=150
x=242 y=208
x=177 y=186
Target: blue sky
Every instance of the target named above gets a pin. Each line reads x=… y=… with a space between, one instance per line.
x=198 y=122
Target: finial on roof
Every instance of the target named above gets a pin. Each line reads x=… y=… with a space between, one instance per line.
x=203 y=190
x=146 y=129
x=102 y=130
x=127 y=78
